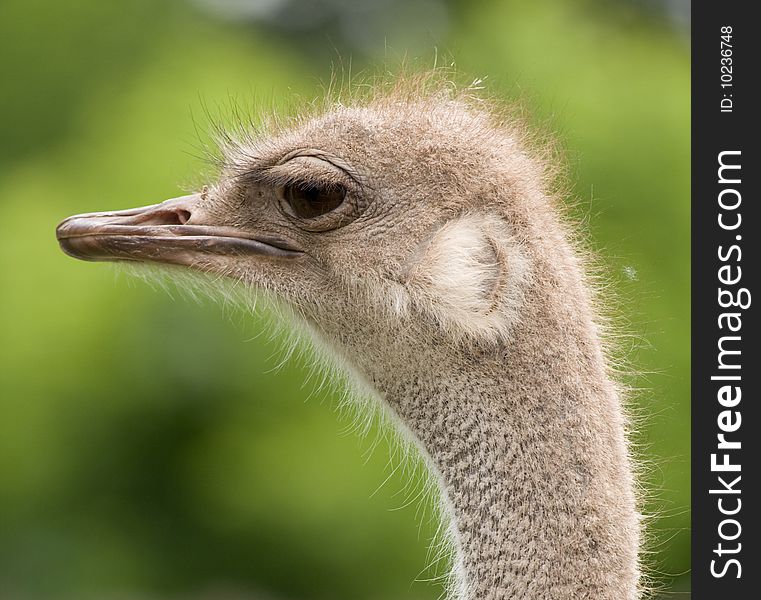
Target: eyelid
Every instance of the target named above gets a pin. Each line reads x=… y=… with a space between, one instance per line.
x=308 y=167
x=317 y=174
x=334 y=161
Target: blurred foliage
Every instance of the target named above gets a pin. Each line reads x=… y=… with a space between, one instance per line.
x=147 y=447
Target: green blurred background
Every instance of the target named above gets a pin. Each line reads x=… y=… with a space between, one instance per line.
x=148 y=447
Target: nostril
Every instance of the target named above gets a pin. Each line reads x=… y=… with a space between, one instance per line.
x=174 y=216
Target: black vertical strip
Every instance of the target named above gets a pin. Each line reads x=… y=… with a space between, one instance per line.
x=719 y=257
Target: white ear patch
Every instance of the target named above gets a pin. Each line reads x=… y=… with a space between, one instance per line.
x=471 y=276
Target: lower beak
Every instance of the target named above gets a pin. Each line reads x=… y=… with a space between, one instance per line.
x=162 y=233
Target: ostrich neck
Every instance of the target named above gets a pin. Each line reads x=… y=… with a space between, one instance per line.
x=529 y=448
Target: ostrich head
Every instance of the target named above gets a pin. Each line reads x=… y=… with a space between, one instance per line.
x=409 y=208
x=415 y=235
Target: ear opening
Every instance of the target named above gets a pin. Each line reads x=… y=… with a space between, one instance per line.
x=470 y=276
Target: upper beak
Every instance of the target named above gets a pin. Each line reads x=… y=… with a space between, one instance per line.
x=164 y=233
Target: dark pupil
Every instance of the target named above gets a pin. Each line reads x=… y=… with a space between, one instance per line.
x=308 y=202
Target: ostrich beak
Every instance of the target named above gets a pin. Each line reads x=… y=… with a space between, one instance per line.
x=162 y=233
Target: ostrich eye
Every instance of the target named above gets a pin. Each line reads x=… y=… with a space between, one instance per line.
x=309 y=201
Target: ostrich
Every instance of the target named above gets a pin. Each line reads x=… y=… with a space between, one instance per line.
x=415 y=235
